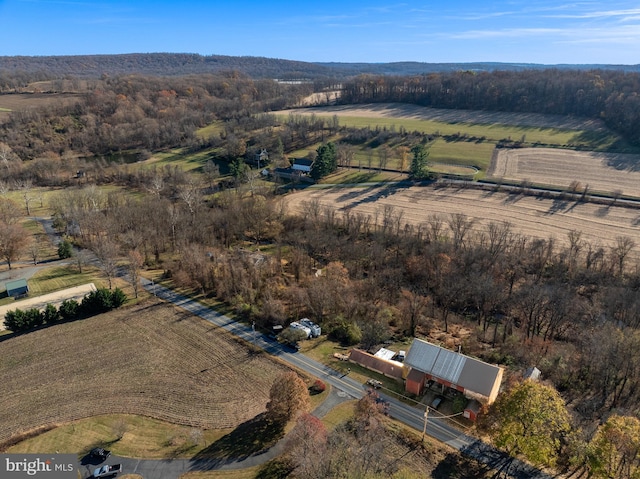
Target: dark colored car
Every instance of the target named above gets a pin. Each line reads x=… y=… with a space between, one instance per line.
x=435 y=404
x=99 y=453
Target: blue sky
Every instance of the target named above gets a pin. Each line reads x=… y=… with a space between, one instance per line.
x=516 y=31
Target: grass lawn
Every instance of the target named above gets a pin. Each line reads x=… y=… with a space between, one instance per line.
x=247 y=473
x=180 y=158
x=339 y=414
x=62 y=277
x=351 y=176
x=208 y=131
x=141 y=437
x=491 y=132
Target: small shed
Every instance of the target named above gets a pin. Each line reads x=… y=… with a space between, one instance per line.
x=17 y=288
x=532 y=373
x=472 y=410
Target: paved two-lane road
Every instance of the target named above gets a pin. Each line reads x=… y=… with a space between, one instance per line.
x=411 y=416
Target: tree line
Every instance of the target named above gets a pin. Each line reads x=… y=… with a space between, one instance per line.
x=609 y=95
x=96 y=302
x=534 y=301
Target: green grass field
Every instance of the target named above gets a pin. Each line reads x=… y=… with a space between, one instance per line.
x=208 y=131
x=62 y=277
x=491 y=132
x=141 y=437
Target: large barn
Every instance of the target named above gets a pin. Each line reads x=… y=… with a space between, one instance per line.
x=474 y=378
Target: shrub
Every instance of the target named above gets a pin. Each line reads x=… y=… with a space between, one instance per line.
x=14 y=320
x=346 y=332
x=50 y=314
x=318 y=387
x=65 y=249
x=33 y=318
x=69 y=309
x=18 y=320
x=118 y=298
x=96 y=302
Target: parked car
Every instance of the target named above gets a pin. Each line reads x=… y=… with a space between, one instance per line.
x=108 y=470
x=375 y=384
x=99 y=453
x=435 y=404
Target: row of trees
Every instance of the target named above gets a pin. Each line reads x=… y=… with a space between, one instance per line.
x=96 y=302
x=604 y=94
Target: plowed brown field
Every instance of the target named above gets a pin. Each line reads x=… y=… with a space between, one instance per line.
x=603 y=172
x=531 y=216
x=152 y=360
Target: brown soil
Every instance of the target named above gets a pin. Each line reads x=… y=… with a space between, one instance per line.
x=602 y=172
x=24 y=101
x=531 y=216
x=153 y=360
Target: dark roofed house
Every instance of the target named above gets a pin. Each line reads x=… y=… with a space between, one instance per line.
x=302 y=164
x=17 y=288
x=472 y=377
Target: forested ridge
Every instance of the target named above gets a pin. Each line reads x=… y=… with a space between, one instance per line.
x=573 y=311
x=134 y=113
x=176 y=64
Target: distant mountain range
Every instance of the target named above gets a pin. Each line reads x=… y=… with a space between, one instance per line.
x=175 y=64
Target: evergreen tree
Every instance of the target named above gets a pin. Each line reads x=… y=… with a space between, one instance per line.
x=419 y=168
x=326 y=162
x=65 y=249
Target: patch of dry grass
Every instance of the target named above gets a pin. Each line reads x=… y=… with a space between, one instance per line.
x=151 y=359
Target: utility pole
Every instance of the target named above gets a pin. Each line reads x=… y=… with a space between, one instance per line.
x=426 y=417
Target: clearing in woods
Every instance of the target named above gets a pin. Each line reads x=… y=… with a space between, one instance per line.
x=151 y=359
x=531 y=216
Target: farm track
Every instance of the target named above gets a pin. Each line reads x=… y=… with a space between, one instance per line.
x=531 y=216
x=152 y=360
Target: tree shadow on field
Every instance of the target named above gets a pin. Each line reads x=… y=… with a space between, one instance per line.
x=375 y=193
x=250 y=438
x=557 y=206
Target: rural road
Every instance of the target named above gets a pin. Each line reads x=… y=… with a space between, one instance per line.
x=344 y=387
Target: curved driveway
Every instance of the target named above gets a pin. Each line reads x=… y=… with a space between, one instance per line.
x=342 y=386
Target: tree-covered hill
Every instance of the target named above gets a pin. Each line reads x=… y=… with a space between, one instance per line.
x=173 y=64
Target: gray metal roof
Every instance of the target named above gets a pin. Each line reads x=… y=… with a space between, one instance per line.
x=467 y=372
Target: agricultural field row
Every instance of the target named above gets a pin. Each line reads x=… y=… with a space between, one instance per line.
x=606 y=173
x=530 y=216
x=155 y=361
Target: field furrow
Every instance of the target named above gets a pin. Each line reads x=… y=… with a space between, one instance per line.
x=528 y=215
x=602 y=172
x=152 y=360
